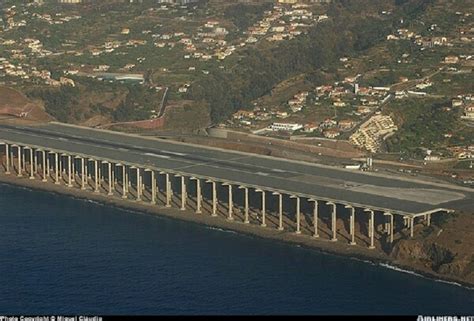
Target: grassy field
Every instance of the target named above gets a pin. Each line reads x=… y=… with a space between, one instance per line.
x=426 y=124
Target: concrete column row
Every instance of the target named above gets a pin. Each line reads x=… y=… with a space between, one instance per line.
x=109 y=177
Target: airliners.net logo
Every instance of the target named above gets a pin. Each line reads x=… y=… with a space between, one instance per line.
x=445 y=318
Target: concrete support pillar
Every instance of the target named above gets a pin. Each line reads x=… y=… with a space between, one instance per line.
x=19 y=161
x=32 y=164
x=231 y=203
x=96 y=176
x=412 y=224
x=428 y=219
x=280 y=210
x=110 y=193
x=153 y=187
x=69 y=173
x=60 y=167
x=371 y=228
x=23 y=161
x=390 y=227
x=372 y=223
x=315 y=218
x=7 y=158
x=298 y=214
x=36 y=162
x=48 y=165
x=113 y=177
x=43 y=158
x=352 y=224
x=214 y=198
x=73 y=170
x=127 y=179
x=183 y=193
x=124 y=181
x=168 y=190
x=246 y=204
x=198 y=195
x=56 y=168
x=139 y=185
x=333 y=221
x=86 y=172
x=12 y=158
x=100 y=174
x=83 y=174
x=263 y=224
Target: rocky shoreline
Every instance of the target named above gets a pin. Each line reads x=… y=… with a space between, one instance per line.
x=405 y=262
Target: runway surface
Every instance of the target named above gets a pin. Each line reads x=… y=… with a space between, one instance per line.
x=376 y=191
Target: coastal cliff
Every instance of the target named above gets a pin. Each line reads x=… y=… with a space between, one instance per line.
x=445 y=249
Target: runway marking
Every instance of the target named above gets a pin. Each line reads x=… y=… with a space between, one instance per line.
x=278 y=170
x=173 y=153
x=211 y=162
x=227 y=169
x=63 y=139
x=156 y=155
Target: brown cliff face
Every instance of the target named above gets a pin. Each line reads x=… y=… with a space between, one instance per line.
x=445 y=249
x=14 y=103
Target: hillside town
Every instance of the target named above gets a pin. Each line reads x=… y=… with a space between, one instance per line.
x=207 y=42
x=354 y=107
x=358 y=105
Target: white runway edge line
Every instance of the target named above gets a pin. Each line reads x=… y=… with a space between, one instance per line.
x=174 y=153
x=156 y=155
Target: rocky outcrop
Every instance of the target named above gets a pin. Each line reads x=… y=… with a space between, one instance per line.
x=445 y=252
x=429 y=254
x=463 y=267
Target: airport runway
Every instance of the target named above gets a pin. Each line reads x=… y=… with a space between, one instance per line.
x=381 y=192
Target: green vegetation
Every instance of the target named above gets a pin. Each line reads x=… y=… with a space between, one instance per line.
x=423 y=124
x=58 y=102
x=259 y=70
x=244 y=15
x=137 y=105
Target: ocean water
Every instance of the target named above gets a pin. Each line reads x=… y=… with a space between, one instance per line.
x=61 y=255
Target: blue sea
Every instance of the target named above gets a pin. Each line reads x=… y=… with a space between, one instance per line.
x=60 y=255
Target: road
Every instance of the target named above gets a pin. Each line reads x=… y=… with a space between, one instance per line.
x=163 y=103
x=373 y=190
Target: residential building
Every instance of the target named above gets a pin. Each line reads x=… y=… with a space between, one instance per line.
x=290 y=127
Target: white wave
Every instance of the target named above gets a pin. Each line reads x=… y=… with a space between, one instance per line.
x=362 y=260
x=391 y=267
x=455 y=283
x=395 y=268
x=94 y=202
x=21 y=187
x=220 y=229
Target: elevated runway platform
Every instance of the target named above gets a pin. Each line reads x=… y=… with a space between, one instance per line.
x=371 y=190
